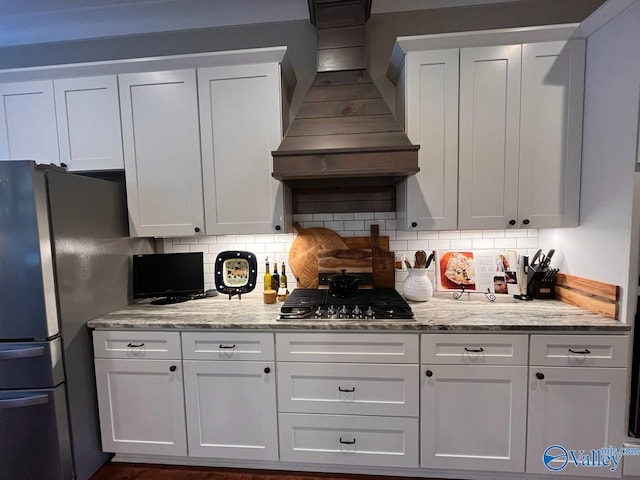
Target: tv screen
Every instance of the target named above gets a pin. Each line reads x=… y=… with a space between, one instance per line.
x=174 y=276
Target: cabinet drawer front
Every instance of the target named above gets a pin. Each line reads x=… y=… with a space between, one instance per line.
x=347 y=347
x=227 y=346
x=348 y=389
x=579 y=350
x=134 y=344
x=349 y=440
x=474 y=349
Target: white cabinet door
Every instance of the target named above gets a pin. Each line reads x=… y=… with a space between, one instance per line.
x=240 y=121
x=474 y=417
x=162 y=153
x=231 y=409
x=430 y=196
x=89 y=132
x=551 y=133
x=576 y=409
x=28 y=122
x=141 y=406
x=489 y=133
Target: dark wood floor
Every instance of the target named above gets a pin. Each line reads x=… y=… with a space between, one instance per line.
x=134 y=471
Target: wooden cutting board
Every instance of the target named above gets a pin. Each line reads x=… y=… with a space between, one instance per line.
x=367 y=257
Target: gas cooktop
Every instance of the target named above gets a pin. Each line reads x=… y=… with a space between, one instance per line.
x=371 y=304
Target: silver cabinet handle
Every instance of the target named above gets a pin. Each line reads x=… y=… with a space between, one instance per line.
x=23 y=352
x=24 y=401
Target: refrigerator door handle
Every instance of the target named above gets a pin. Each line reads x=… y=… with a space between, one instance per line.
x=23 y=352
x=29 y=401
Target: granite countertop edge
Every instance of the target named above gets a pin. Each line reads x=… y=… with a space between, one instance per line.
x=439 y=314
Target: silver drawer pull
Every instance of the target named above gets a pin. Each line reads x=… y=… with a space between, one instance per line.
x=586 y=351
x=474 y=350
x=24 y=401
x=347 y=390
x=135 y=345
x=227 y=346
x=347 y=442
x=21 y=353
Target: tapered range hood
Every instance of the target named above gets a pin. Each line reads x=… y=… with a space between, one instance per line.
x=344 y=132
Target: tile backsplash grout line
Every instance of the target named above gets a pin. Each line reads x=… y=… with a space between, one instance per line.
x=276 y=246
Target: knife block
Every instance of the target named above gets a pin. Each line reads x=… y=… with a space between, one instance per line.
x=537 y=287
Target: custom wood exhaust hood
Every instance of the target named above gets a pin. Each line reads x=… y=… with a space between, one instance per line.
x=344 y=132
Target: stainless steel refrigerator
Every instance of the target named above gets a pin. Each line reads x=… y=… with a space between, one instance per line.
x=64 y=259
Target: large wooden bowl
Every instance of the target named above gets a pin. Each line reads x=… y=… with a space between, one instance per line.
x=303 y=255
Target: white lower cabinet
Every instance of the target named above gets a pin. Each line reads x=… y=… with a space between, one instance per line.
x=474 y=417
x=575 y=408
x=349 y=440
x=230 y=403
x=140 y=392
x=348 y=398
x=474 y=402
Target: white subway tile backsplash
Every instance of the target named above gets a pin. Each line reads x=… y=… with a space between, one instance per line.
x=448 y=234
x=462 y=244
x=480 y=243
x=276 y=246
x=364 y=216
x=336 y=225
x=402 y=235
x=428 y=235
x=506 y=242
x=529 y=242
x=354 y=225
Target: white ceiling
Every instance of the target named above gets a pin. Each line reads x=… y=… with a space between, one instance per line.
x=37 y=21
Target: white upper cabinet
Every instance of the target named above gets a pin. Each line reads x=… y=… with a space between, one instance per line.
x=489 y=131
x=28 y=122
x=89 y=132
x=240 y=124
x=551 y=133
x=162 y=153
x=428 y=200
x=506 y=151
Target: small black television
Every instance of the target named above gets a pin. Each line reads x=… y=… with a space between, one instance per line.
x=176 y=277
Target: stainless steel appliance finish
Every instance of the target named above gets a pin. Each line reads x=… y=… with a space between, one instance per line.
x=368 y=304
x=64 y=259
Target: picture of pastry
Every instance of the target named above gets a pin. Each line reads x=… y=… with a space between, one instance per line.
x=456 y=270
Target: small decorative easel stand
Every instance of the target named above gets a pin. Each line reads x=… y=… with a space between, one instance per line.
x=488 y=295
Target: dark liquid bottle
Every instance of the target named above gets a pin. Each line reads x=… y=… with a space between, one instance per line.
x=275 y=278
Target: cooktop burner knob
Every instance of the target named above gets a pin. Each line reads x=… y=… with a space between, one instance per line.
x=343 y=312
x=319 y=312
x=331 y=312
x=369 y=313
x=390 y=312
x=356 y=313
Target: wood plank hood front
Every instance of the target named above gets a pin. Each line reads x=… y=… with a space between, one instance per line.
x=344 y=130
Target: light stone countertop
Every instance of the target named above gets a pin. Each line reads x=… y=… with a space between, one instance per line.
x=472 y=312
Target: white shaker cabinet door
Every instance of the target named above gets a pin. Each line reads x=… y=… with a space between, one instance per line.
x=430 y=197
x=473 y=417
x=489 y=136
x=28 y=122
x=241 y=124
x=162 y=153
x=551 y=133
x=231 y=409
x=577 y=409
x=141 y=406
x=89 y=131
